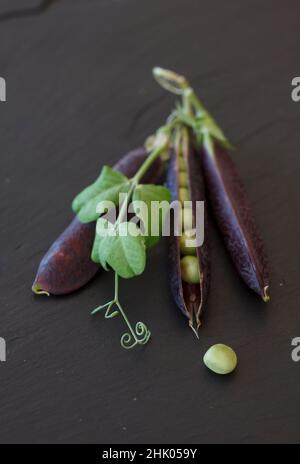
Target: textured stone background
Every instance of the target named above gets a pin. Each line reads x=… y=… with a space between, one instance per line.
x=80 y=94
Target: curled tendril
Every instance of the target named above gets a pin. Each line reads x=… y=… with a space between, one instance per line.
x=111 y=315
x=128 y=341
x=141 y=336
x=142 y=331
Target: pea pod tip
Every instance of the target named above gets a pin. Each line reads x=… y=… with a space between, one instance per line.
x=265 y=296
x=39 y=290
x=195 y=330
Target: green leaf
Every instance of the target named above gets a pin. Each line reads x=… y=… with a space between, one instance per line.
x=103 y=228
x=107 y=234
x=148 y=194
x=125 y=252
x=88 y=213
x=95 y=250
x=108 y=178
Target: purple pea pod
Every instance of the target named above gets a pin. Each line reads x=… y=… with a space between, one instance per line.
x=234 y=216
x=227 y=193
x=67 y=266
x=189 y=296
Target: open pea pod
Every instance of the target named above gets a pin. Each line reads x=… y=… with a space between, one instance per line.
x=227 y=193
x=189 y=266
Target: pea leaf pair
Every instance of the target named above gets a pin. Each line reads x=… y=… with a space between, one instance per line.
x=122 y=245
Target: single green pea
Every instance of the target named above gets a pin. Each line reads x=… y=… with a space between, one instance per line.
x=185 y=219
x=190 y=269
x=187 y=237
x=181 y=164
x=220 y=359
x=184 y=194
x=183 y=179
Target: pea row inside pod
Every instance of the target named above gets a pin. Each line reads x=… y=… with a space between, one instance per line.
x=189 y=255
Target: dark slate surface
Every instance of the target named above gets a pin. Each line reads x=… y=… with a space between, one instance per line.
x=80 y=94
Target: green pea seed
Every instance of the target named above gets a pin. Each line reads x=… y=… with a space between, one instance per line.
x=182 y=179
x=185 y=219
x=187 y=237
x=184 y=194
x=187 y=215
x=220 y=359
x=181 y=164
x=190 y=269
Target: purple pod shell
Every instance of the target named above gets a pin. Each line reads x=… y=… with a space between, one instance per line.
x=234 y=216
x=190 y=298
x=67 y=265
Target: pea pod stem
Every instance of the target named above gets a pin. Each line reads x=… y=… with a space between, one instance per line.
x=136 y=179
x=156 y=152
x=192 y=112
x=169 y=80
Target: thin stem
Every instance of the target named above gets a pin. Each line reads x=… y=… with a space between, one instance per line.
x=127 y=322
x=171 y=81
x=193 y=101
x=116 y=287
x=156 y=152
x=187 y=102
x=149 y=161
x=99 y=308
x=124 y=206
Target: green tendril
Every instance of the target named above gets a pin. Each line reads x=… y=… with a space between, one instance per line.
x=160 y=144
x=139 y=335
